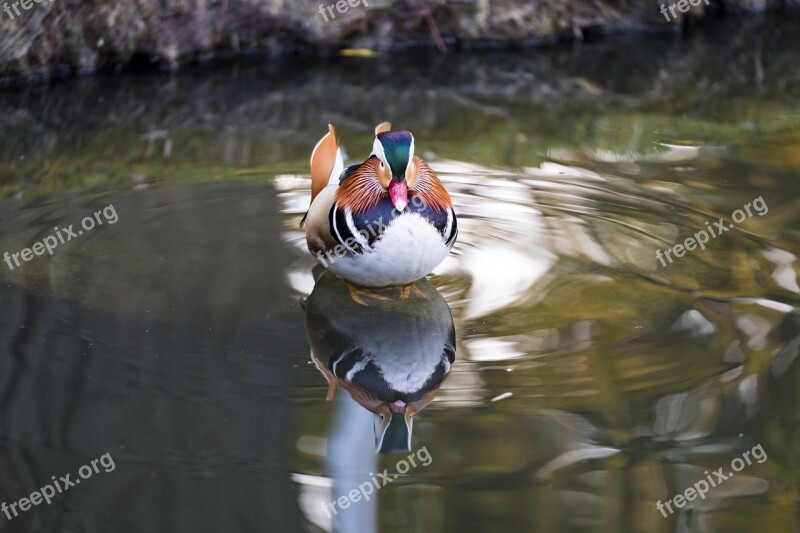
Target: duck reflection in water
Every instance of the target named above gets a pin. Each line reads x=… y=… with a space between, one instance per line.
x=390 y=349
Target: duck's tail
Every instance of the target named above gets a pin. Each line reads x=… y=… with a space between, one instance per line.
x=326 y=164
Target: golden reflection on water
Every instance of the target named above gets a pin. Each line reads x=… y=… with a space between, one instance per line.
x=588 y=375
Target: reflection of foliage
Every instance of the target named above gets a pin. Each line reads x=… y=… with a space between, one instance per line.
x=503 y=110
x=617 y=366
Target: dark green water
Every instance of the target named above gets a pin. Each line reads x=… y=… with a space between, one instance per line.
x=589 y=380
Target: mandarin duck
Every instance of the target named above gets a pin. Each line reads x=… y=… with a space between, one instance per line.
x=387 y=221
x=391 y=356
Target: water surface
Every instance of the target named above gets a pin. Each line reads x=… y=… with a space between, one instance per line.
x=589 y=380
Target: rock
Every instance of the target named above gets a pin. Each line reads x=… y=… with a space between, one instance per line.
x=55 y=38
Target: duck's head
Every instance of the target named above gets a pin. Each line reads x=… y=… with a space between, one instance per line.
x=393 y=423
x=396 y=172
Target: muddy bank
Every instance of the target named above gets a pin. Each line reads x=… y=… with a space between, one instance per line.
x=72 y=36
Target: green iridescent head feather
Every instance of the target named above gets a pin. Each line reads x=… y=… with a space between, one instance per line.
x=398 y=149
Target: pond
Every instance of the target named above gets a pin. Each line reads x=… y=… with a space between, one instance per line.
x=616 y=323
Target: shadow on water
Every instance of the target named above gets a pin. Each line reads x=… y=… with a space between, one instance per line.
x=592 y=381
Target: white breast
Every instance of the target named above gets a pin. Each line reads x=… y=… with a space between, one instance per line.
x=409 y=249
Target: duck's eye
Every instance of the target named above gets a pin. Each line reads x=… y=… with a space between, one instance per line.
x=382 y=165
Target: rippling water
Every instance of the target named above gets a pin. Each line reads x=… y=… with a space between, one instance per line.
x=590 y=381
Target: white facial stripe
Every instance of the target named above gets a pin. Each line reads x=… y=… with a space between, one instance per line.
x=377 y=150
x=411 y=149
